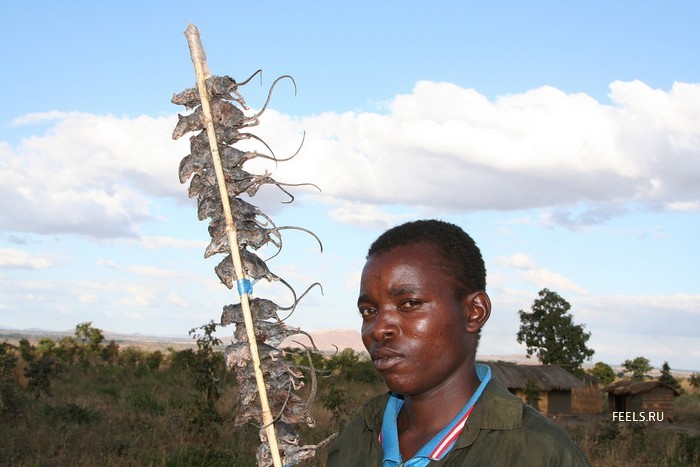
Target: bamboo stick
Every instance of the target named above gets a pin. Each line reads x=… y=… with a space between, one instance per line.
x=202 y=71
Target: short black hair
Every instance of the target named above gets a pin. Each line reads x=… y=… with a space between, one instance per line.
x=458 y=251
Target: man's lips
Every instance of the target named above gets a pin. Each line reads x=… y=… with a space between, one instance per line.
x=385 y=358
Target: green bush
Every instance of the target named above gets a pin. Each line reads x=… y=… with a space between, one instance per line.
x=12 y=400
x=70 y=414
x=41 y=371
x=154 y=359
x=195 y=456
x=183 y=360
x=131 y=357
x=110 y=390
x=141 y=399
x=686 y=408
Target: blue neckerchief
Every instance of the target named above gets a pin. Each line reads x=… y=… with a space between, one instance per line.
x=390 y=433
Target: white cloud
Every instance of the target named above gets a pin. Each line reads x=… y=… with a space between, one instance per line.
x=13 y=258
x=441 y=147
x=148 y=271
x=451 y=148
x=368 y=215
x=87 y=298
x=176 y=299
x=685 y=302
x=541 y=277
x=153 y=243
x=616 y=347
x=89 y=174
x=684 y=206
x=662 y=327
x=517 y=260
x=544 y=278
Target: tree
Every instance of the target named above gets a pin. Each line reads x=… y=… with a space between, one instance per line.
x=89 y=336
x=532 y=393
x=694 y=380
x=549 y=332
x=110 y=352
x=639 y=367
x=46 y=344
x=667 y=377
x=41 y=371
x=8 y=360
x=89 y=343
x=603 y=372
x=40 y=367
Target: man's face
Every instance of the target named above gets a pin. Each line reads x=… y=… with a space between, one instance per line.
x=413 y=327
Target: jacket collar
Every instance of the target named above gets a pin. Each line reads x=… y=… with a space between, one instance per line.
x=496 y=409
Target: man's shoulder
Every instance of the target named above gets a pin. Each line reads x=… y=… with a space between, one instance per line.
x=507 y=431
x=509 y=412
x=357 y=443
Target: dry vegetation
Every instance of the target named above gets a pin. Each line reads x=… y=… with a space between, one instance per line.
x=93 y=405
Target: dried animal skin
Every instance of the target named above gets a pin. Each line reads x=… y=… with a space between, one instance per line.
x=253 y=266
x=260 y=309
x=222 y=87
x=263 y=310
x=274 y=333
x=200 y=160
x=288 y=441
x=209 y=206
x=238 y=181
x=223 y=114
x=224 y=137
x=284 y=403
x=238 y=353
x=249 y=234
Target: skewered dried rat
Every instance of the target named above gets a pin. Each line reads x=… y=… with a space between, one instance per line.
x=261 y=309
x=254 y=230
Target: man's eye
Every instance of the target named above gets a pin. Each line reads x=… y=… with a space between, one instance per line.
x=366 y=312
x=409 y=304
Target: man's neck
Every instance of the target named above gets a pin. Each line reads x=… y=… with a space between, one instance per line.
x=423 y=416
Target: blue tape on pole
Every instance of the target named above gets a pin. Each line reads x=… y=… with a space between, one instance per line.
x=244 y=287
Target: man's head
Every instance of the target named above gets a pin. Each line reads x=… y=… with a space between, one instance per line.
x=423 y=305
x=458 y=251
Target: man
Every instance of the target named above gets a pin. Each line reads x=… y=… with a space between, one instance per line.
x=423 y=304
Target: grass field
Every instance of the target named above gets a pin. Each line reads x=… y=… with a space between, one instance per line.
x=145 y=408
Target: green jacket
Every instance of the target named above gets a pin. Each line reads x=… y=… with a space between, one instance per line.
x=501 y=431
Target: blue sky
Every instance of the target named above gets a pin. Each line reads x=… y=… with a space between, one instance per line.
x=565 y=138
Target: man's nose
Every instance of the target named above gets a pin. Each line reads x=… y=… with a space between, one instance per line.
x=385 y=325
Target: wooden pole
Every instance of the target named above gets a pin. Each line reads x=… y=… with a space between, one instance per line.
x=199 y=60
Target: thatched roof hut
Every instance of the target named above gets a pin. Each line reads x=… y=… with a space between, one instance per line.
x=546 y=377
x=553 y=383
x=641 y=396
x=632 y=388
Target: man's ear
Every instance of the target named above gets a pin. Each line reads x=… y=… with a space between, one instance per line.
x=478 y=309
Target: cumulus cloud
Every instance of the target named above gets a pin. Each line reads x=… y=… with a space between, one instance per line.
x=13 y=258
x=539 y=276
x=147 y=271
x=441 y=147
x=646 y=316
x=363 y=214
x=89 y=174
x=153 y=243
x=447 y=147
